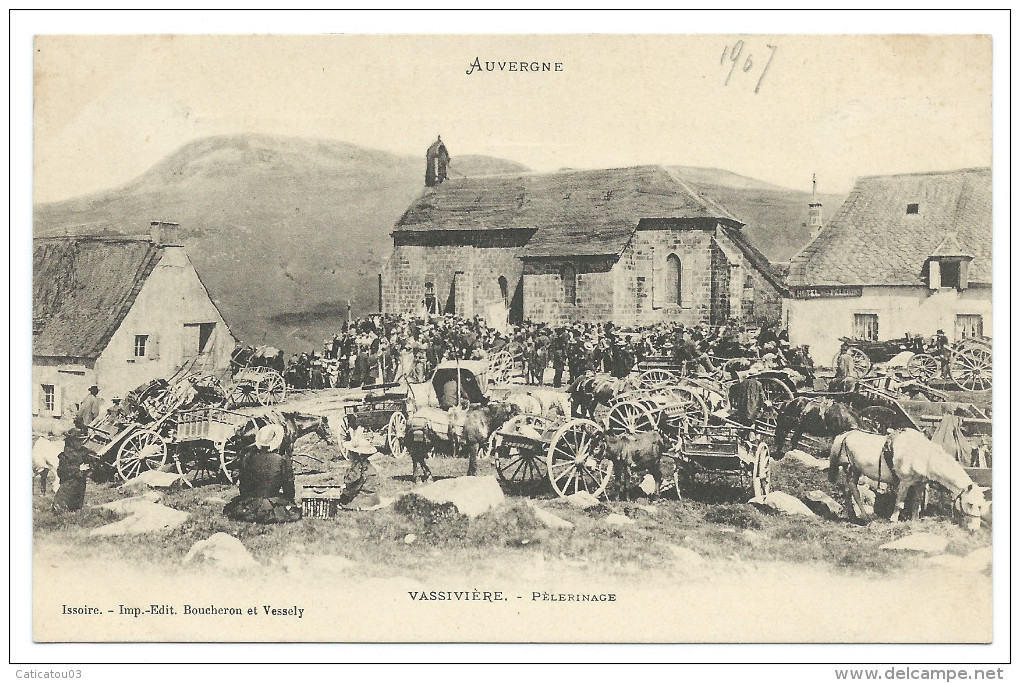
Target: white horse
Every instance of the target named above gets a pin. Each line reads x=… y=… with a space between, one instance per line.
x=913 y=460
x=45 y=460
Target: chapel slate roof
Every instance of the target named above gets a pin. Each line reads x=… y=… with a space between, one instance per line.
x=872 y=240
x=575 y=212
x=82 y=288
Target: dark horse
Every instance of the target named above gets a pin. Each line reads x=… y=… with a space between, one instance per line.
x=466 y=429
x=589 y=391
x=296 y=425
x=817 y=417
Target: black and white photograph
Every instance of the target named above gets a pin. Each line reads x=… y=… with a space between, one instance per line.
x=513 y=338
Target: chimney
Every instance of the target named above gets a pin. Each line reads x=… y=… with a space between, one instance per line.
x=165 y=233
x=437 y=158
x=814 y=207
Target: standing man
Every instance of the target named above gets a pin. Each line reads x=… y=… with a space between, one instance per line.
x=846 y=374
x=89 y=408
x=559 y=357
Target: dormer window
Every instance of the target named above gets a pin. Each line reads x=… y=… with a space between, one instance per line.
x=912 y=208
x=949 y=265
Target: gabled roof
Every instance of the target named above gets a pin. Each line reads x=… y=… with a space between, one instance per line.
x=577 y=213
x=82 y=288
x=872 y=240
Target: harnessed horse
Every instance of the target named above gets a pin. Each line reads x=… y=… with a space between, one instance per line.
x=905 y=459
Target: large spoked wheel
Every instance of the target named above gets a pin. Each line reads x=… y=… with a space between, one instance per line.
x=230 y=454
x=244 y=393
x=577 y=460
x=878 y=419
x=776 y=393
x=141 y=451
x=271 y=389
x=693 y=408
x=761 y=473
x=862 y=364
x=516 y=465
x=653 y=379
x=395 y=430
x=198 y=463
x=629 y=417
x=501 y=368
x=970 y=366
x=923 y=367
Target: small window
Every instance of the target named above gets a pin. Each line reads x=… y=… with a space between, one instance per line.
x=866 y=326
x=205 y=332
x=141 y=342
x=674 y=289
x=969 y=326
x=49 y=397
x=568 y=276
x=912 y=208
x=949 y=272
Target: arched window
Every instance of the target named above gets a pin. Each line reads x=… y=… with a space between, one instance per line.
x=673 y=288
x=568 y=275
x=504 y=289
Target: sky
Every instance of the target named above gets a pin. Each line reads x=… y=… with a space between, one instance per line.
x=106 y=108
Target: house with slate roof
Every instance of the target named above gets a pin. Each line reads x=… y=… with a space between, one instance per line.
x=905 y=254
x=634 y=246
x=118 y=312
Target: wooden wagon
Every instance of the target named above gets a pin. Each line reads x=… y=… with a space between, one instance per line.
x=533 y=454
x=721 y=452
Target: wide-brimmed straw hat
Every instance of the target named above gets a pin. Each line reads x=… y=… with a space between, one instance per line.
x=270 y=436
x=360 y=445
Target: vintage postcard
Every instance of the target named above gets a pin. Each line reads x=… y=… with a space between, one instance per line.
x=513 y=339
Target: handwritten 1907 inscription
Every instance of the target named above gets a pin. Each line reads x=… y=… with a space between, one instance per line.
x=740 y=53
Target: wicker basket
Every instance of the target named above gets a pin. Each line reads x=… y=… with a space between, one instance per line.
x=321 y=502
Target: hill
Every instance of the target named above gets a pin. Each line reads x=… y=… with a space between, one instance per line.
x=282 y=230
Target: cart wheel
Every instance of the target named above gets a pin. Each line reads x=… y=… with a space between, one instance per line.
x=501 y=368
x=395 y=430
x=230 y=464
x=243 y=394
x=198 y=462
x=576 y=459
x=515 y=466
x=271 y=389
x=878 y=419
x=694 y=408
x=629 y=417
x=970 y=367
x=143 y=450
x=653 y=379
x=761 y=475
x=923 y=367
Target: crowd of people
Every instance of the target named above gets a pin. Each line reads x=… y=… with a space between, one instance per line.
x=384 y=349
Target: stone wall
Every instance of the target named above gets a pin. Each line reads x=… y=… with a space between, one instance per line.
x=476 y=260
x=544 y=295
x=639 y=276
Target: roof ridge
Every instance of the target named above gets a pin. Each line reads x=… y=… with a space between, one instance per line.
x=704 y=201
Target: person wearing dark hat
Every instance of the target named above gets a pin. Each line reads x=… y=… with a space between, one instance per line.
x=266 y=482
x=88 y=411
x=942 y=351
x=72 y=471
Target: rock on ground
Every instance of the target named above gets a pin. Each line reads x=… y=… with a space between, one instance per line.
x=921 y=542
x=821 y=503
x=146 y=518
x=618 y=520
x=126 y=506
x=155 y=479
x=807 y=459
x=784 y=502
x=222 y=551
x=550 y=520
x=472 y=495
x=583 y=500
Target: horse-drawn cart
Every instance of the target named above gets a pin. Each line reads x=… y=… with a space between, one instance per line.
x=257 y=385
x=532 y=453
x=730 y=452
